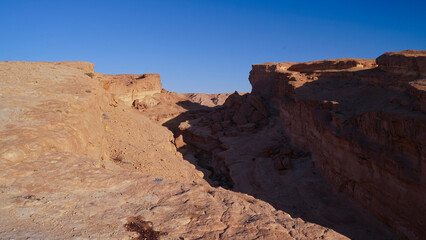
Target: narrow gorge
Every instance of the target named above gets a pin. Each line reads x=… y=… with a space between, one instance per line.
x=331 y=149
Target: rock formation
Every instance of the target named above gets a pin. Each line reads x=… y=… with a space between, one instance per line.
x=129 y=87
x=364 y=126
x=209 y=100
x=243 y=146
x=79 y=162
x=361 y=120
x=90 y=155
x=405 y=62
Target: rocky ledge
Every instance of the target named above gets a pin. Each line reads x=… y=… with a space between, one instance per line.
x=405 y=62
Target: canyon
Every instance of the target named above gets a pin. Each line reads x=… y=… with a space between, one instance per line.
x=330 y=149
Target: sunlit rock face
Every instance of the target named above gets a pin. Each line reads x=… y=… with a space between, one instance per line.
x=129 y=87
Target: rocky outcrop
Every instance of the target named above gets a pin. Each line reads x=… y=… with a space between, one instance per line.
x=343 y=63
x=131 y=87
x=30 y=102
x=78 y=162
x=404 y=62
x=209 y=100
x=364 y=127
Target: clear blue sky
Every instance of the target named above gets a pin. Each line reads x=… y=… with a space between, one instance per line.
x=205 y=46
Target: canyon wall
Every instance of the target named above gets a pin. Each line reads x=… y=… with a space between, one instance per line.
x=364 y=122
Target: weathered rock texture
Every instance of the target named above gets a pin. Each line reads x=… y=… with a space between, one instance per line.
x=242 y=146
x=364 y=126
x=78 y=162
x=405 y=62
x=343 y=63
x=209 y=100
x=129 y=87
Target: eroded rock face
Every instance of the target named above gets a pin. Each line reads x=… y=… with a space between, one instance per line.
x=343 y=63
x=364 y=127
x=242 y=146
x=209 y=100
x=404 y=62
x=29 y=102
x=78 y=162
x=130 y=87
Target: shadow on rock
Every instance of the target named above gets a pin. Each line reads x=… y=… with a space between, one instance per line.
x=241 y=146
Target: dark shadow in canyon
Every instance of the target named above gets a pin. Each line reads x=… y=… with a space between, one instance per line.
x=245 y=160
x=201 y=159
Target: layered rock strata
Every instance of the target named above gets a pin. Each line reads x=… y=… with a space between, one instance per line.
x=130 y=87
x=404 y=62
x=242 y=146
x=365 y=127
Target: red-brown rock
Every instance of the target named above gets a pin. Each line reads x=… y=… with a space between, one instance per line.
x=343 y=63
x=404 y=62
x=366 y=130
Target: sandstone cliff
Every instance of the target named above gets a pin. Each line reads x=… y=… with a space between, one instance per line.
x=365 y=127
x=243 y=146
x=360 y=122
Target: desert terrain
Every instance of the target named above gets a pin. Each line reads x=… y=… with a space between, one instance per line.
x=329 y=149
